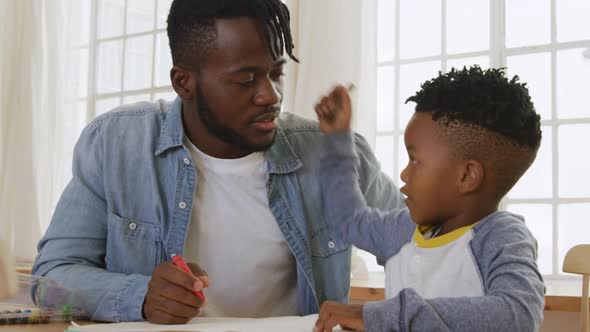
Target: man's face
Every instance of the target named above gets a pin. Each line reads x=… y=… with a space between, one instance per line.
x=239 y=88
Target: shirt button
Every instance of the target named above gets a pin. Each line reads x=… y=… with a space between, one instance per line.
x=186 y=161
x=182 y=205
x=132 y=226
x=331 y=244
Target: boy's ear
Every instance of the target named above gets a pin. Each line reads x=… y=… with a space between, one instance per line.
x=471 y=177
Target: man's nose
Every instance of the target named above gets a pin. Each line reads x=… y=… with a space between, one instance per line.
x=268 y=93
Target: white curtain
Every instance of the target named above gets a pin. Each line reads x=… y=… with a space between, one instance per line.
x=335 y=43
x=33 y=120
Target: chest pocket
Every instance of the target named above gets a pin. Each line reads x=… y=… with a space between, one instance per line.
x=323 y=244
x=132 y=246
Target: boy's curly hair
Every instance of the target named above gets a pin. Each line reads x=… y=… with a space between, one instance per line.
x=485 y=98
x=487 y=117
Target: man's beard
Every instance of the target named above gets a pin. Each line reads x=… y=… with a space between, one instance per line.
x=228 y=135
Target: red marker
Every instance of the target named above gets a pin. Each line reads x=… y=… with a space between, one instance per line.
x=178 y=261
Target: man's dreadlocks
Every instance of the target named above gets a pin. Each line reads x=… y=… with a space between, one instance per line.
x=191 y=26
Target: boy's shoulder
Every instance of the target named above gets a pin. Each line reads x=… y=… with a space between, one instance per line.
x=500 y=222
x=502 y=231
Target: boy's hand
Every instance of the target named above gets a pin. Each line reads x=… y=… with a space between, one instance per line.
x=348 y=316
x=334 y=111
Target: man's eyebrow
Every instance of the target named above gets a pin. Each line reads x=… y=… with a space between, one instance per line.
x=410 y=148
x=250 y=69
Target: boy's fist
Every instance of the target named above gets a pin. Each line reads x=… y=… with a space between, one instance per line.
x=335 y=111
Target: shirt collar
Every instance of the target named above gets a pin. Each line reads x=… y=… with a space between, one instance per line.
x=280 y=157
x=172 y=130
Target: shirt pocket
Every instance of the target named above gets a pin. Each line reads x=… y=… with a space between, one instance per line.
x=323 y=244
x=132 y=246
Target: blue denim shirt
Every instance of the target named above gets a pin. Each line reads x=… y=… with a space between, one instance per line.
x=127 y=208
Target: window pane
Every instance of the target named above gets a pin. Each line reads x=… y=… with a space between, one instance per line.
x=140 y=15
x=168 y=95
x=537 y=182
x=525 y=26
x=136 y=98
x=572 y=23
x=573 y=228
x=420 y=24
x=573 y=70
x=385 y=98
x=482 y=61
x=163 y=62
x=535 y=70
x=474 y=14
x=163 y=9
x=384 y=153
x=538 y=219
x=109 y=66
x=105 y=105
x=574 y=162
x=385 y=30
x=138 y=62
x=411 y=77
x=110 y=18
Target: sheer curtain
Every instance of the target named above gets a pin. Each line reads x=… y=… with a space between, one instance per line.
x=33 y=118
x=335 y=43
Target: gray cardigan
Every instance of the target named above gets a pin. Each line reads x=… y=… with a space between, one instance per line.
x=503 y=249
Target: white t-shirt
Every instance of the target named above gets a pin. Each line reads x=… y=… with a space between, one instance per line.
x=418 y=265
x=234 y=236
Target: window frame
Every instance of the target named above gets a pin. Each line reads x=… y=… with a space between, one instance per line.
x=94 y=41
x=498 y=53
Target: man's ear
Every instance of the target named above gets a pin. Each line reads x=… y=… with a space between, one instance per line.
x=183 y=82
x=472 y=175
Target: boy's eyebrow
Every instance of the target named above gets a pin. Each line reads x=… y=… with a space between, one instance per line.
x=410 y=148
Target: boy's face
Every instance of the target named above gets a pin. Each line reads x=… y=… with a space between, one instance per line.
x=431 y=175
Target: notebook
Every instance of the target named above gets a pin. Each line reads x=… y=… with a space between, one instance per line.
x=210 y=324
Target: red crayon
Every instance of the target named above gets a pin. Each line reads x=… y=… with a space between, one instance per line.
x=179 y=261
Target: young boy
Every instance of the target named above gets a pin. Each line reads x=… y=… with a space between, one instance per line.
x=453 y=262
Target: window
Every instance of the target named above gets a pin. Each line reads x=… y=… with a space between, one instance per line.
x=545 y=42
x=118 y=54
x=117 y=44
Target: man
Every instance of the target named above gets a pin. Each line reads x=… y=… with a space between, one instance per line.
x=217 y=175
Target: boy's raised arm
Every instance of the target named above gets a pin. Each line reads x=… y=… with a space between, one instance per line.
x=345 y=208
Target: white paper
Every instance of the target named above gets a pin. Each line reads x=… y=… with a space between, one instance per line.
x=211 y=324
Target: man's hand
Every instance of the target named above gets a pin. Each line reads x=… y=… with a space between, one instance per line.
x=170 y=298
x=334 y=111
x=349 y=316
